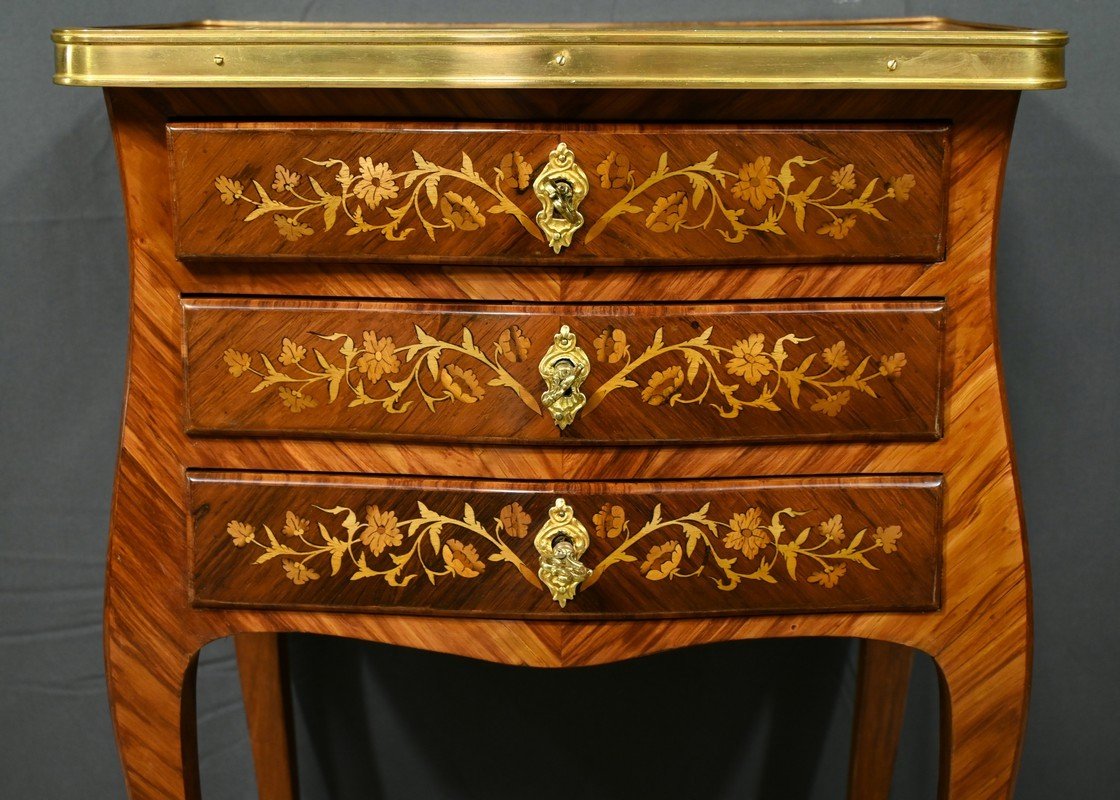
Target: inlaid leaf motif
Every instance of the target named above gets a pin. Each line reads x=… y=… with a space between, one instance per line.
x=291 y=228
x=240 y=532
x=237 y=362
x=295 y=400
x=291 y=353
x=286 y=180
x=298 y=572
x=294 y=525
x=229 y=190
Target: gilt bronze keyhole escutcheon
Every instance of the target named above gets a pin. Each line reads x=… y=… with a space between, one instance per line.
x=560 y=186
x=560 y=543
x=564 y=368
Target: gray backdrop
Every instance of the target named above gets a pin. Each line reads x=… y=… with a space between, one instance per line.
x=744 y=720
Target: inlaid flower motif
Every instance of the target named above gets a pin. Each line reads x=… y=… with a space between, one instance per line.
x=291 y=353
x=461 y=384
x=376 y=182
x=514 y=344
x=378 y=358
x=291 y=228
x=667 y=213
x=610 y=345
x=286 y=180
x=237 y=362
x=240 y=532
x=295 y=400
x=663 y=385
x=891 y=366
x=829 y=576
x=516 y=171
x=382 y=530
x=461 y=212
x=609 y=521
x=462 y=559
x=298 y=572
x=832 y=529
x=888 y=538
x=229 y=190
x=750 y=362
x=747 y=533
x=831 y=404
x=661 y=560
x=689 y=536
x=614 y=171
x=515 y=522
x=755 y=184
x=837 y=356
x=844 y=178
x=839 y=227
x=900 y=187
x=295 y=525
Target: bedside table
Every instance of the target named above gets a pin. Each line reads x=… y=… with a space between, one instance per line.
x=559 y=346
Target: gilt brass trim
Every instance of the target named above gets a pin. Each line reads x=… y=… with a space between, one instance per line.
x=921 y=53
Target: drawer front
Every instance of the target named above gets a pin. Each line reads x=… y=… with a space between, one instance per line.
x=632 y=374
x=811 y=544
x=389 y=192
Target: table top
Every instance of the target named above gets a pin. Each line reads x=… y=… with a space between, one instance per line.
x=914 y=53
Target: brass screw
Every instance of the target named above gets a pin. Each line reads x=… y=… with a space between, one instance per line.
x=561 y=58
x=219 y=60
x=892 y=64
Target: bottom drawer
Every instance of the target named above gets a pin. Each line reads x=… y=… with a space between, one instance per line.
x=562 y=550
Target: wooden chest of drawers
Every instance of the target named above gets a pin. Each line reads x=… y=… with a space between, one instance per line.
x=612 y=341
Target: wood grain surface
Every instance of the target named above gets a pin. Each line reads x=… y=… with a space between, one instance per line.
x=682 y=193
x=883 y=681
x=659 y=372
x=979 y=637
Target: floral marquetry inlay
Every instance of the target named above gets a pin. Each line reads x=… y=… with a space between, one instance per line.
x=372 y=197
x=399 y=546
x=752 y=371
x=377 y=543
x=754 y=197
x=760 y=195
x=375 y=370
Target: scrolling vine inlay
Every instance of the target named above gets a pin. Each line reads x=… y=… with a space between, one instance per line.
x=377 y=187
x=752 y=184
x=750 y=372
x=745 y=197
x=752 y=544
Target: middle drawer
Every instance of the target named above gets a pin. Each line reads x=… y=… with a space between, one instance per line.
x=562 y=373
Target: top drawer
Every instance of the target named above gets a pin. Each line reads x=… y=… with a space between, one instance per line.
x=608 y=194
